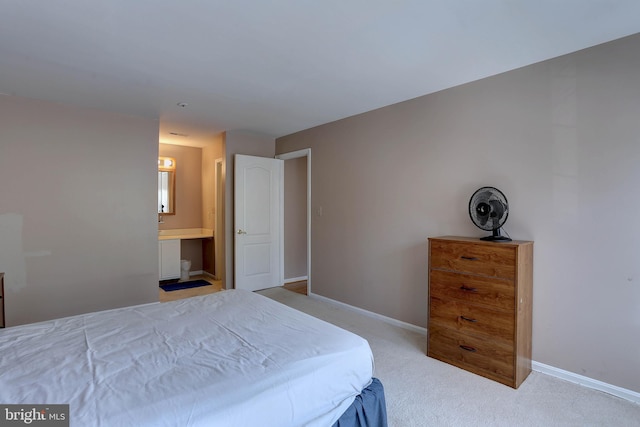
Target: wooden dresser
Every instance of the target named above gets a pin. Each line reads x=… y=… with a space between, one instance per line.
x=480 y=306
x=2 y=324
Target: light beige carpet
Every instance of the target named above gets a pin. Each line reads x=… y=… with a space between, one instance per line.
x=421 y=391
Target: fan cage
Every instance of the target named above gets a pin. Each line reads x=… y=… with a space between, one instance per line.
x=489 y=210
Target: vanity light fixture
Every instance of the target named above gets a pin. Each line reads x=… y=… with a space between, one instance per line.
x=166 y=164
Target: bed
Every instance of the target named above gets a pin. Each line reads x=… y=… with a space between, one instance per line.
x=233 y=358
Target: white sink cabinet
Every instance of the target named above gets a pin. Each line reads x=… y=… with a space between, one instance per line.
x=169 y=258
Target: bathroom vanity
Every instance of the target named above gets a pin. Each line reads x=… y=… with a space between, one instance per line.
x=169 y=248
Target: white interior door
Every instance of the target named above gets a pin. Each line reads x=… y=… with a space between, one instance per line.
x=258 y=222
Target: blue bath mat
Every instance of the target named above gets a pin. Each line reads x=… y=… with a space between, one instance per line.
x=184 y=285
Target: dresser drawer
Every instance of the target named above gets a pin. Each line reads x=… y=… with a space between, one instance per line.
x=471 y=319
x=489 y=260
x=493 y=292
x=476 y=355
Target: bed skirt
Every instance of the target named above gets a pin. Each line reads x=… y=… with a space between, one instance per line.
x=368 y=410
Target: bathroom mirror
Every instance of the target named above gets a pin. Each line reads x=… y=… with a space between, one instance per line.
x=166 y=185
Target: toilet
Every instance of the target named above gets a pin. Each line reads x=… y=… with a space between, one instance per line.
x=185 y=266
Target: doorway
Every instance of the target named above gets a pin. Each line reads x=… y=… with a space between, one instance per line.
x=234 y=230
x=297 y=217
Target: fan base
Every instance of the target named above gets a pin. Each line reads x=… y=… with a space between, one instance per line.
x=496 y=238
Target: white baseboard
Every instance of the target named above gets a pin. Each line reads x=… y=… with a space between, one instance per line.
x=586 y=381
x=206 y=273
x=203 y=273
x=296 y=279
x=536 y=366
x=368 y=313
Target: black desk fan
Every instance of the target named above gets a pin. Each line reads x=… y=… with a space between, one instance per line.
x=489 y=209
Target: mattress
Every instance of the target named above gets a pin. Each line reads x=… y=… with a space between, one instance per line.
x=233 y=358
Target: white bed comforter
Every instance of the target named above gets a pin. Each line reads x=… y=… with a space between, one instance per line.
x=233 y=358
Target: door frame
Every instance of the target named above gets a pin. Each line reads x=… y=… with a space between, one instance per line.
x=305 y=152
x=219 y=231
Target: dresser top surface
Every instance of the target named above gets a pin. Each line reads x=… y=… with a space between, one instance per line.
x=477 y=240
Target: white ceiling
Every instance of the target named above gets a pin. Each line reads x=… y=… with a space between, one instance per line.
x=280 y=66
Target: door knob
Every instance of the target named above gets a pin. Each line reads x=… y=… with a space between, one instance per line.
x=241 y=231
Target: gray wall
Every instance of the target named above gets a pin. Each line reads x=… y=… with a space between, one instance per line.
x=561 y=138
x=78 y=221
